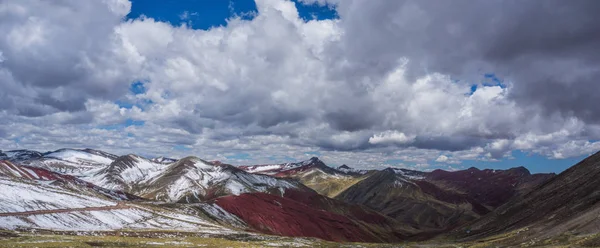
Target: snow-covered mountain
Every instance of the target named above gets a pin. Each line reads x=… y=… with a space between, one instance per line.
x=192 y=179
x=19 y=155
x=281 y=170
x=33 y=198
x=189 y=180
x=272 y=169
x=74 y=184
x=35 y=195
x=76 y=162
x=124 y=173
x=84 y=156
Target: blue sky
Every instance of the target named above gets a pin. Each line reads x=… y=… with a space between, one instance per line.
x=204 y=14
x=199 y=13
x=534 y=162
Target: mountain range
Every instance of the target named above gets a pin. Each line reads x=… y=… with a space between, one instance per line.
x=95 y=191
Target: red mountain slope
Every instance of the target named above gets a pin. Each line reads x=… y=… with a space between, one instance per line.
x=305 y=214
x=489 y=187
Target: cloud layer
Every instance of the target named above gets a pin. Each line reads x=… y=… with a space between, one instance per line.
x=414 y=81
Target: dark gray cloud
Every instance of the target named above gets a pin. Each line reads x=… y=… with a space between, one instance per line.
x=547 y=49
x=62 y=61
x=68 y=103
x=448 y=143
x=80 y=117
x=333 y=143
x=30 y=110
x=350 y=120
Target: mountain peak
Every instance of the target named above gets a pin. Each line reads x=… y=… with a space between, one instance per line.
x=191 y=159
x=520 y=170
x=126 y=159
x=344 y=167
x=21 y=155
x=193 y=162
x=311 y=161
x=121 y=164
x=163 y=160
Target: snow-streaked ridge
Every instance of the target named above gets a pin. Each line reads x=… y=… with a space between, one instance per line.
x=410 y=174
x=28 y=203
x=124 y=172
x=348 y=170
x=79 y=156
x=20 y=155
x=192 y=179
x=273 y=169
x=163 y=160
x=75 y=162
x=18 y=196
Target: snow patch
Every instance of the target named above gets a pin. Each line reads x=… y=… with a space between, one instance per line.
x=106 y=220
x=413 y=175
x=76 y=156
x=19 y=197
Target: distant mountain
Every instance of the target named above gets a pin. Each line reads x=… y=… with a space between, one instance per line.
x=347 y=169
x=192 y=180
x=430 y=202
x=19 y=155
x=422 y=205
x=489 y=187
x=439 y=200
x=285 y=168
x=311 y=214
x=187 y=180
x=76 y=162
x=313 y=173
x=163 y=160
x=567 y=203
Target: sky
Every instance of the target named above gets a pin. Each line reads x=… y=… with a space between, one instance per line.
x=427 y=84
